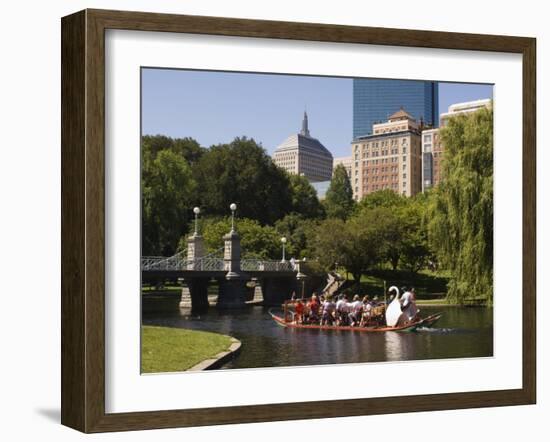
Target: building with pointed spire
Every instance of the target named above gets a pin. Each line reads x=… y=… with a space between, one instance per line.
x=301 y=154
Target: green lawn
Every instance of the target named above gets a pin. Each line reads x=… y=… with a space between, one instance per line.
x=173 y=349
x=428 y=285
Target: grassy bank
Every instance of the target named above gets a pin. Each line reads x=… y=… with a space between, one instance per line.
x=172 y=349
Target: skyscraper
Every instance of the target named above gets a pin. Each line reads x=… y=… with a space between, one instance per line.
x=374 y=100
x=301 y=154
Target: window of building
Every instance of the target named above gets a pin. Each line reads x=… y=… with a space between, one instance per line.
x=404 y=176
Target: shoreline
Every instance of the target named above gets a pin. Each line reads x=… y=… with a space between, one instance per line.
x=221 y=358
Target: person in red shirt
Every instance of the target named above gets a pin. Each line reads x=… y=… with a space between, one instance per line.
x=299 y=312
x=314 y=309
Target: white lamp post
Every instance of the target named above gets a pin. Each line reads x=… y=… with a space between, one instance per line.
x=233 y=207
x=196 y=211
x=283 y=241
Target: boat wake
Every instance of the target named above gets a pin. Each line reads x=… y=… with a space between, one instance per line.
x=435 y=330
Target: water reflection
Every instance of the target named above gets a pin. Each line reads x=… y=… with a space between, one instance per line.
x=461 y=332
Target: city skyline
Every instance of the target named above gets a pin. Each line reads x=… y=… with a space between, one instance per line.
x=215 y=107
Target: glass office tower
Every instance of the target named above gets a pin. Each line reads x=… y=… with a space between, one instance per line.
x=375 y=100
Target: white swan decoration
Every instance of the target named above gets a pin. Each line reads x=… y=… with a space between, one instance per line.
x=393 y=312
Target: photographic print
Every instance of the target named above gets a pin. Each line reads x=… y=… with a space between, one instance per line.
x=298 y=220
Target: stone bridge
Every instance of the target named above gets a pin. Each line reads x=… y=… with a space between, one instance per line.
x=273 y=281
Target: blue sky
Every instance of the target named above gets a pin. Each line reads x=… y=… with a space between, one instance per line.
x=215 y=107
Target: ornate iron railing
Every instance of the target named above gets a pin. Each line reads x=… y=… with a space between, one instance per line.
x=258 y=265
x=211 y=263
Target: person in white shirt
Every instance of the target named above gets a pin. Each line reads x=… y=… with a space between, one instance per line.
x=355 y=309
x=341 y=310
x=367 y=311
x=408 y=306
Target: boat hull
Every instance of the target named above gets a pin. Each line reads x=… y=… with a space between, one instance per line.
x=425 y=322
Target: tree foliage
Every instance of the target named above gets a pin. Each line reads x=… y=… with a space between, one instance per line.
x=298 y=230
x=304 y=198
x=383 y=198
x=354 y=244
x=403 y=234
x=188 y=148
x=167 y=195
x=461 y=210
x=241 y=172
x=339 y=202
x=414 y=249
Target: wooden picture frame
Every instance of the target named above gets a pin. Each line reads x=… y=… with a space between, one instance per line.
x=83 y=219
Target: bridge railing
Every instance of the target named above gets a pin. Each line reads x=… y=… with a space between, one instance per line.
x=259 y=265
x=180 y=262
x=211 y=263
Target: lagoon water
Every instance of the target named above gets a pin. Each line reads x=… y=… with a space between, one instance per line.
x=462 y=332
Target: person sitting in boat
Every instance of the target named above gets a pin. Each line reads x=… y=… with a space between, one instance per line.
x=367 y=311
x=313 y=305
x=299 y=312
x=341 y=310
x=347 y=310
x=329 y=309
x=355 y=310
x=408 y=305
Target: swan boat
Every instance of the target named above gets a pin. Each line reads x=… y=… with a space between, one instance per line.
x=393 y=323
x=409 y=327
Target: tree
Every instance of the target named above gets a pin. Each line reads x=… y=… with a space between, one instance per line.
x=414 y=248
x=167 y=195
x=354 y=244
x=298 y=231
x=188 y=148
x=339 y=202
x=461 y=208
x=389 y=206
x=392 y=234
x=241 y=172
x=383 y=198
x=401 y=229
x=304 y=198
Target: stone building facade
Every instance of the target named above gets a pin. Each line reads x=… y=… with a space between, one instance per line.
x=390 y=158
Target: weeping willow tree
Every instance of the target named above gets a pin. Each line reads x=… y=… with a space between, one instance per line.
x=461 y=209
